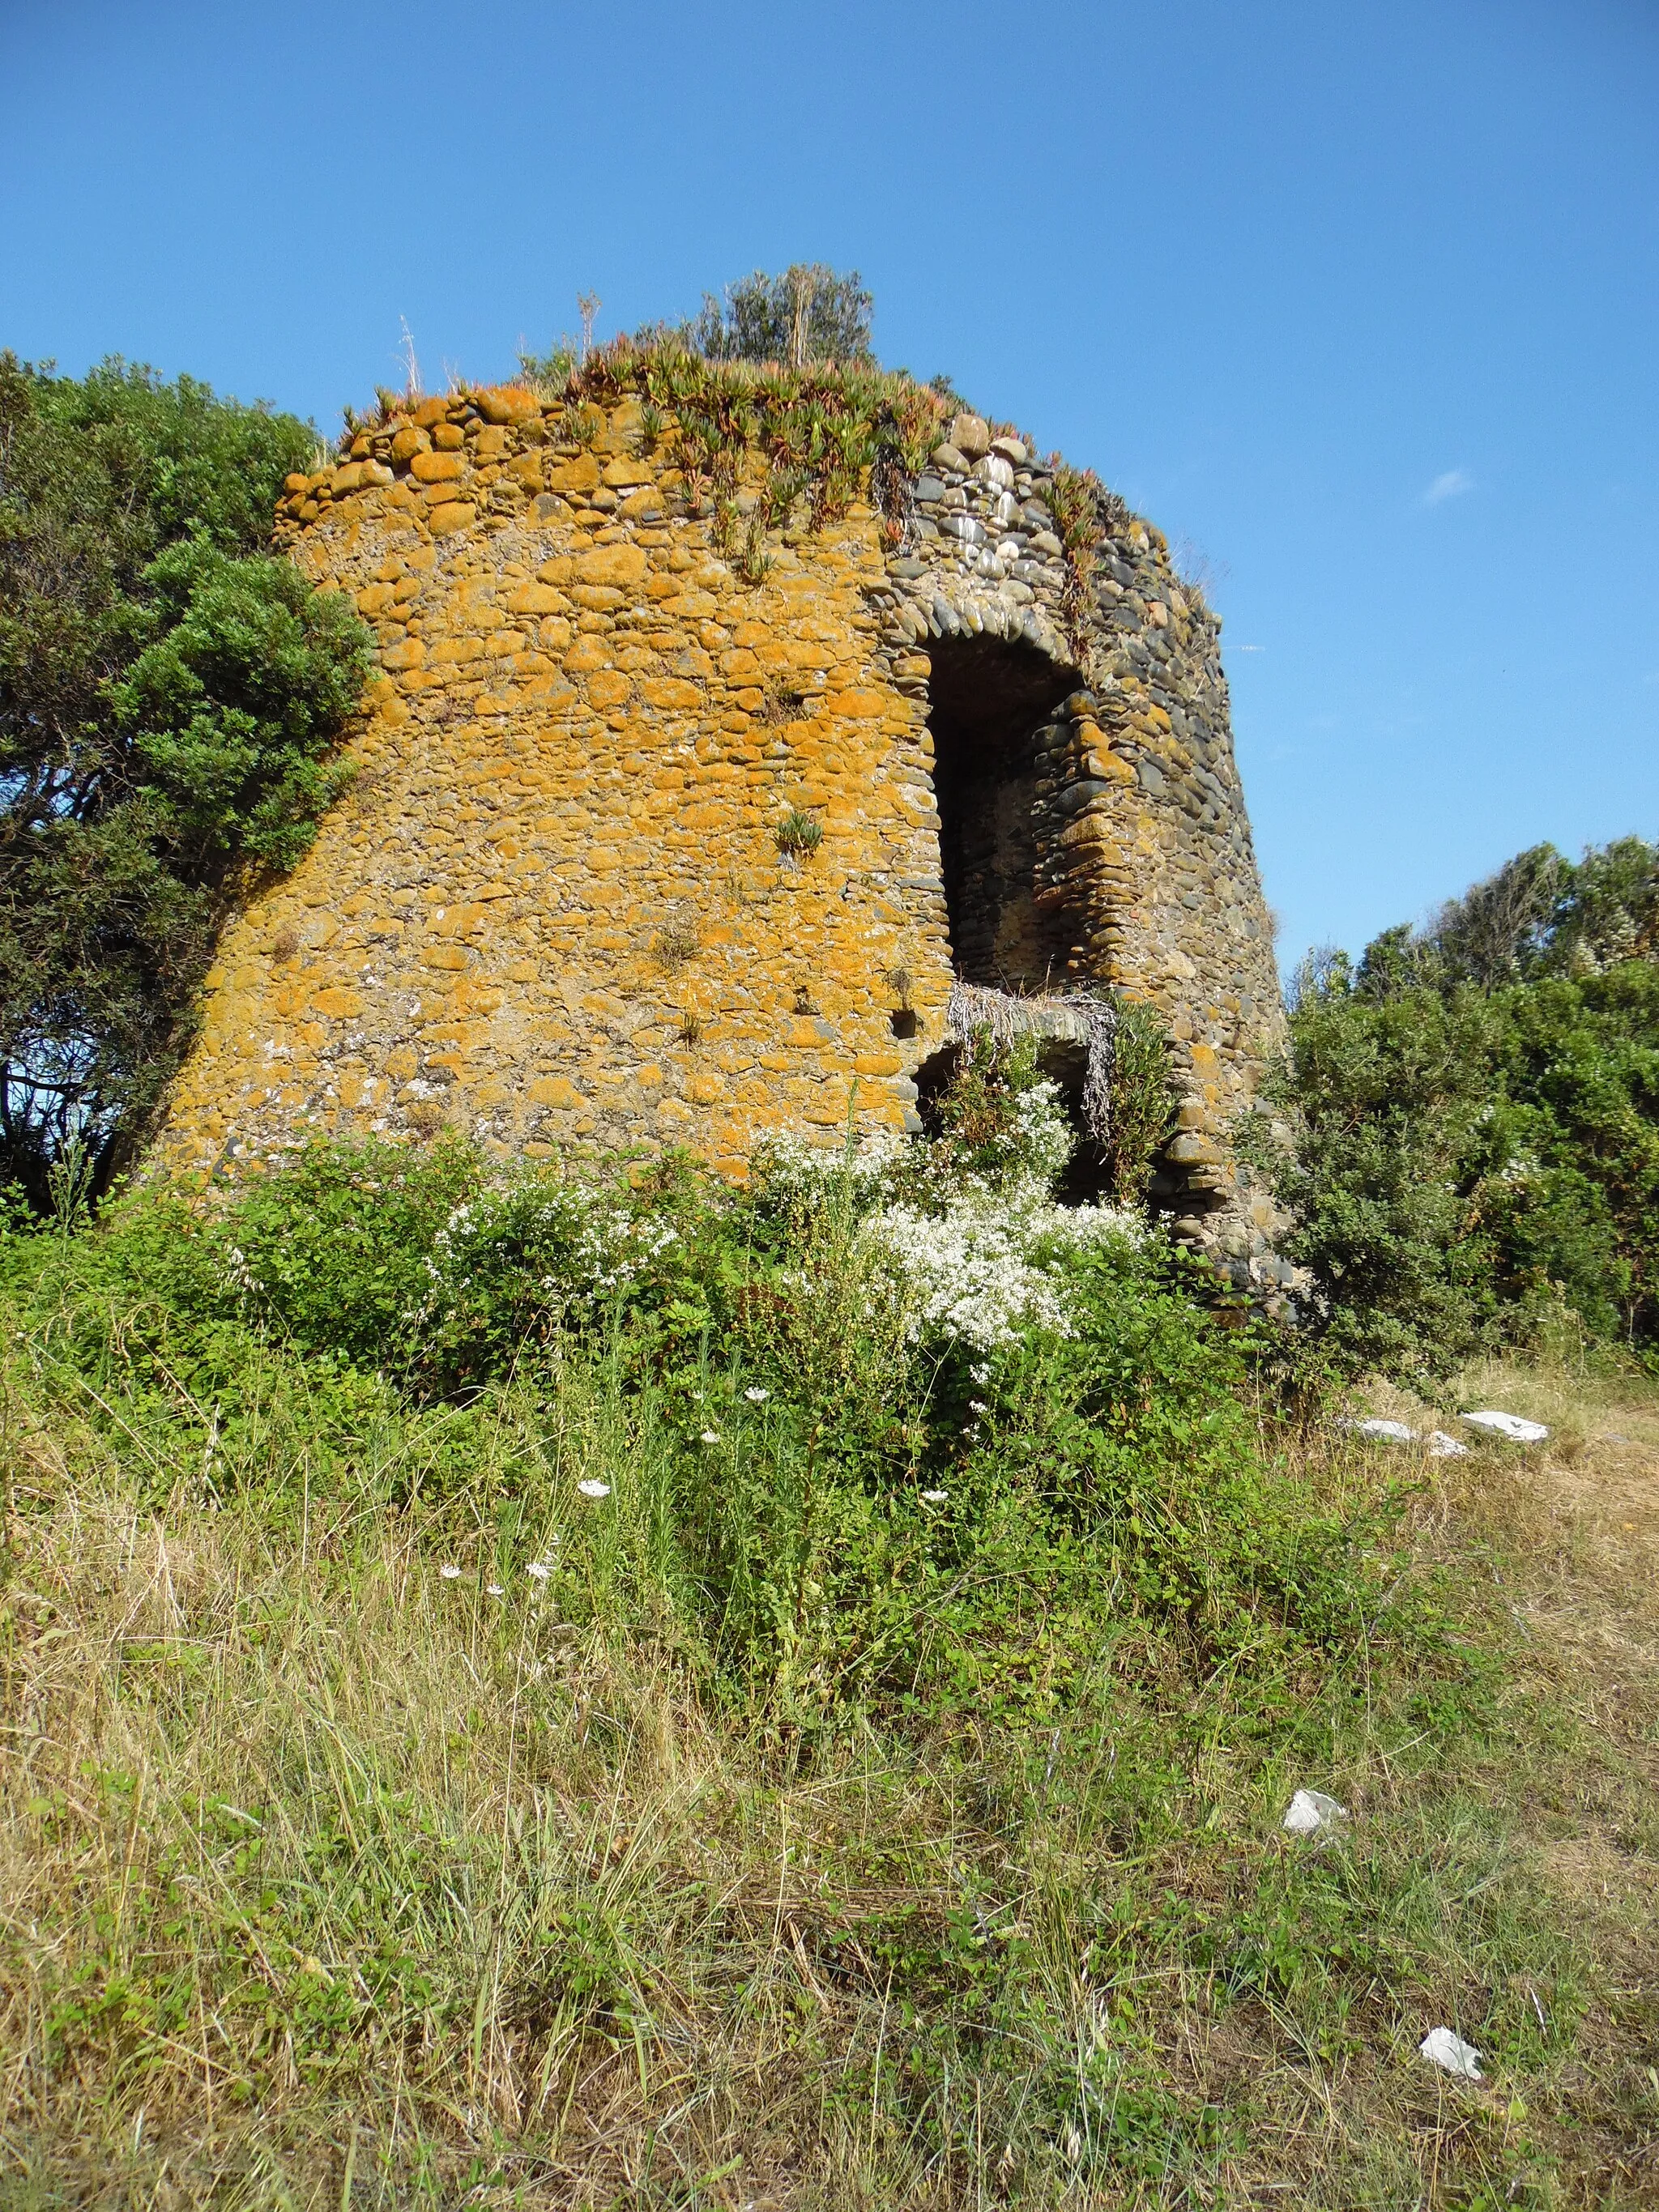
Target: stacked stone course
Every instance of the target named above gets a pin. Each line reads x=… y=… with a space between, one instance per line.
x=552 y=911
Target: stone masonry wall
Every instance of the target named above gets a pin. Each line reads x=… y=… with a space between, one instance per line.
x=552 y=911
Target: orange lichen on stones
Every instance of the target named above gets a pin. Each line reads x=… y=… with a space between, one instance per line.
x=555 y=908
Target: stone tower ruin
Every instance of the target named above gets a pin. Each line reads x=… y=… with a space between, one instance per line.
x=671 y=826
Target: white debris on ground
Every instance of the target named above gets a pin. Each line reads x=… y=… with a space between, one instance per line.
x=1518 y=1432
x=1310 y=1810
x=1451 y=2054
x=1441 y=1446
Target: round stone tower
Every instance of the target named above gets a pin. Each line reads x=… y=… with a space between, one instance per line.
x=677 y=818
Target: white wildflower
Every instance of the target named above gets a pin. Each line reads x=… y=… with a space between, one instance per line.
x=494 y=1589
x=709 y=1437
x=539 y=1570
x=450 y=1574
x=790 y=1167
x=592 y=1487
x=755 y=1396
x=935 y=1497
x=995 y=1261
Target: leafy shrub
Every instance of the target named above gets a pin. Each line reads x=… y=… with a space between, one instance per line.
x=1476 y=1119
x=810 y=313
x=858 y=1432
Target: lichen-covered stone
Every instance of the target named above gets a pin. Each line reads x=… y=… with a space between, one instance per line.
x=552 y=910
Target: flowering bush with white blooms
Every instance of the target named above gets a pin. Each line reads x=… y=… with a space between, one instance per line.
x=792 y=1175
x=1036 y=1143
x=518 y=1260
x=976 y=1247
x=994 y=1262
x=587 y=1244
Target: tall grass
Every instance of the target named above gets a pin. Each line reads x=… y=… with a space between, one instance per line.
x=786 y=1837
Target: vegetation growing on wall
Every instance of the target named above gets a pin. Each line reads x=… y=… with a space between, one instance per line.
x=170 y=698
x=811 y=313
x=784 y=364
x=1476 y=1106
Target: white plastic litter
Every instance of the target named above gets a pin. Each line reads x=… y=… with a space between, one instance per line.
x=1451 y=2054
x=1441 y=1446
x=1310 y=1810
x=1511 y=1425
x=1394 y=1432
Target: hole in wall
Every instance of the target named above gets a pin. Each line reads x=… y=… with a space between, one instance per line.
x=988 y=697
x=905 y=1022
x=1085 y=1178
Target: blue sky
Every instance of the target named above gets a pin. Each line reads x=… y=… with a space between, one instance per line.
x=1359 y=304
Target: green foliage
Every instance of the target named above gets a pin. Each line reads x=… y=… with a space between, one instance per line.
x=559 y=1636
x=1476 y=1116
x=840 y=1511
x=799 y=835
x=170 y=699
x=1143 y=1099
x=1541 y=914
x=811 y=313
x=233 y=704
x=825 y=422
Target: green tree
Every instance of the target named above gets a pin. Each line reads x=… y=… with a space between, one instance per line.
x=1476 y=1115
x=810 y=313
x=171 y=698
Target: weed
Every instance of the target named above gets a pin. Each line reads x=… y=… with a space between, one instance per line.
x=785 y=484
x=799 y=835
x=753 y=562
x=781 y=703
x=723 y=531
x=582 y=426
x=676 y=943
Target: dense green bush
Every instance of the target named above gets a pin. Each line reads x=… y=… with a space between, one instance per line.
x=1475 y=1110
x=885 y=1427
x=170 y=699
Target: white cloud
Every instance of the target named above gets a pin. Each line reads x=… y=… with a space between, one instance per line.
x=1451 y=485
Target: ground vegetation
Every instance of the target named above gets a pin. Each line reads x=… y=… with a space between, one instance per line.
x=530 y=1691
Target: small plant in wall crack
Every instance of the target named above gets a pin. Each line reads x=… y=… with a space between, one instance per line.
x=780 y=703
x=799 y=835
x=753 y=562
x=900 y=982
x=1075 y=498
x=723 y=531
x=582 y=426
x=675 y=943
x=692 y=1026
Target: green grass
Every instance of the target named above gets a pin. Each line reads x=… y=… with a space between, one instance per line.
x=927 y=1856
